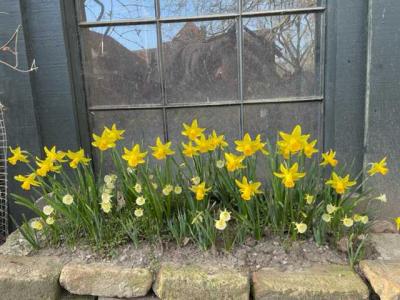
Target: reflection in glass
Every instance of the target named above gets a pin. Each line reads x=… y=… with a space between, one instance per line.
x=121 y=65
x=258 y=5
x=280 y=57
x=107 y=10
x=173 y=8
x=200 y=61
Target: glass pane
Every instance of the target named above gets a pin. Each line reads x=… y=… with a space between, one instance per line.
x=121 y=65
x=281 y=56
x=107 y=10
x=258 y=5
x=188 y=8
x=268 y=119
x=142 y=126
x=224 y=119
x=200 y=61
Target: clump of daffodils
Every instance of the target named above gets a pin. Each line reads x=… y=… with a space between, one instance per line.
x=195 y=187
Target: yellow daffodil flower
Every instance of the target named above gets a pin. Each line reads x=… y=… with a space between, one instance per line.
x=248 y=189
x=46 y=166
x=293 y=142
x=301 y=227
x=103 y=142
x=378 y=167
x=309 y=149
x=289 y=175
x=233 y=162
x=225 y=215
x=203 y=144
x=189 y=150
x=248 y=147
x=193 y=131
x=18 y=155
x=53 y=155
x=27 y=181
x=220 y=224
x=397 y=221
x=340 y=184
x=77 y=158
x=37 y=225
x=217 y=141
x=134 y=157
x=348 y=222
x=113 y=133
x=160 y=150
x=200 y=190
x=328 y=158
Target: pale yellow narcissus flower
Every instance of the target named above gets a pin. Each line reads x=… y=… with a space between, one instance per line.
x=138 y=212
x=330 y=208
x=77 y=158
x=378 y=167
x=225 y=215
x=293 y=142
x=382 y=198
x=68 y=199
x=160 y=150
x=103 y=142
x=50 y=220
x=193 y=131
x=167 y=189
x=301 y=227
x=348 y=222
x=37 y=225
x=18 y=155
x=309 y=199
x=54 y=155
x=309 y=149
x=233 y=162
x=289 y=175
x=106 y=206
x=138 y=188
x=27 y=181
x=340 y=184
x=220 y=224
x=48 y=210
x=134 y=157
x=248 y=189
x=220 y=164
x=177 y=190
x=200 y=190
x=189 y=150
x=196 y=180
x=46 y=166
x=140 y=200
x=114 y=134
x=328 y=158
x=326 y=218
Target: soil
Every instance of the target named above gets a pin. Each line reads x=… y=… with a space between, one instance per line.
x=253 y=255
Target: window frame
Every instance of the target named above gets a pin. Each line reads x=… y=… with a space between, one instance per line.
x=72 y=26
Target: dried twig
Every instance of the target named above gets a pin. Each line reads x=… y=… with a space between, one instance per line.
x=7 y=48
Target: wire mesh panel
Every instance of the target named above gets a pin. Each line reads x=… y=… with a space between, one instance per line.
x=3 y=176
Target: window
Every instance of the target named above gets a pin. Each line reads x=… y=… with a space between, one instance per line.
x=236 y=65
